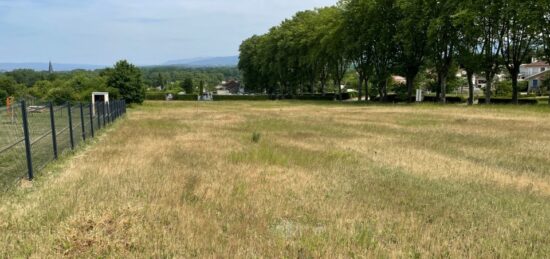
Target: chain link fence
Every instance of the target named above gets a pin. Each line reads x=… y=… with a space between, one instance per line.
x=31 y=136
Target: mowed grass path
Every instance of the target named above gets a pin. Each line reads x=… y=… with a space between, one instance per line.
x=325 y=180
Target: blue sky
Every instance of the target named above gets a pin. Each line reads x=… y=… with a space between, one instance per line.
x=142 y=31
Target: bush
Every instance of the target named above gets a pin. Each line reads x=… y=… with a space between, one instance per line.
x=504 y=88
x=241 y=97
x=313 y=97
x=501 y=100
x=155 y=96
x=3 y=96
x=449 y=99
x=186 y=97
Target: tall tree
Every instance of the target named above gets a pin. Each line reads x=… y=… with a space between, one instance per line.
x=520 y=33
x=490 y=19
x=188 y=86
x=443 y=38
x=468 y=46
x=412 y=39
x=335 y=45
x=127 y=79
x=359 y=43
x=382 y=32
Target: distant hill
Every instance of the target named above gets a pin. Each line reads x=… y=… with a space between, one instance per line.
x=206 y=62
x=44 y=66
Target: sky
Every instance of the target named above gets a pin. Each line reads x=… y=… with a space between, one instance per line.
x=145 y=32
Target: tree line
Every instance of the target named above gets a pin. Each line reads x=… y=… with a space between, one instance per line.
x=376 y=39
x=123 y=80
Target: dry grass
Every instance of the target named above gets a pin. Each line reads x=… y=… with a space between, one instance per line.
x=324 y=180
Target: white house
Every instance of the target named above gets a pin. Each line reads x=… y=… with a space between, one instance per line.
x=534 y=73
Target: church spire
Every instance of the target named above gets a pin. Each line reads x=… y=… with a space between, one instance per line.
x=50 y=68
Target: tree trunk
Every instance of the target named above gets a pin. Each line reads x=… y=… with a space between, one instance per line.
x=383 y=91
x=338 y=84
x=489 y=85
x=438 y=90
x=366 y=89
x=515 y=90
x=410 y=86
x=443 y=98
x=360 y=88
x=470 y=76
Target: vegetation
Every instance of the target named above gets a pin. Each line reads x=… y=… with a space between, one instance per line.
x=403 y=181
x=124 y=80
x=381 y=38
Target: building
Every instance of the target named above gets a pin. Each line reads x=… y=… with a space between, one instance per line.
x=229 y=88
x=534 y=73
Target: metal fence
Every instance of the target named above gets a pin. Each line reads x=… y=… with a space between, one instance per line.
x=31 y=136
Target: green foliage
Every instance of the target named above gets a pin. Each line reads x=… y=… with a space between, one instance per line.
x=3 y=96
x=508 y=100
x=60 y=95
x=186 y=97
x=503 y=88
x=187 y=86
x=127 y=79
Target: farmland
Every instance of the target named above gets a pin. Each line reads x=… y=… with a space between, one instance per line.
x=294 y=179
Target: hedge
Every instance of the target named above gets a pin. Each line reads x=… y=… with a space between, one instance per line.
x=312 y=97
x=186 y=97
x=155 y=96
x=161 y=96
x=241 y=97
x=448 y=99
x=503 y=100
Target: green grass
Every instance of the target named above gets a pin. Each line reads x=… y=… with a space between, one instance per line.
x=323 y=180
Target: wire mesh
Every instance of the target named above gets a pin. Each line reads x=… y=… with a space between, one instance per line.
x=12 y=148
x=87 y=120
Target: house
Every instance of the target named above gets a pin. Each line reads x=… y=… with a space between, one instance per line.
x=229 y=88
x=534 y=73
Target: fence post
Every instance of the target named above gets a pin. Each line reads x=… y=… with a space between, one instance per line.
x=104 y=114
x=28 y=152
x=71 y=133
x=82 y=122
x=97 y=115
x=91 y=119
x=54 y=134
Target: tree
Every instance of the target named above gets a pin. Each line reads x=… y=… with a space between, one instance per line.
x=412 y=39
x=519 y=37
x=201 y=87
x=384 y=48
x=489 y=18
x=334 y=43
x=188 y=86
x=359 y=43
x=443 y=38
x=160 y=81
x=127 y=79
x=544 y=22
x=468 y=47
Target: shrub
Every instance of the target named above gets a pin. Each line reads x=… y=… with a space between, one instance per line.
x=503 y=100
x=314 y=97
x=449 y=99
x=186 y=97
x=155 y=96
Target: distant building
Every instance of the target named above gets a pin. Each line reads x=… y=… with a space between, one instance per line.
x=230 y=87
x=50 y=68
x=534 y=73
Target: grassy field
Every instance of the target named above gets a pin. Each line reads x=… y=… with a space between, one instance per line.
x=322 y=180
